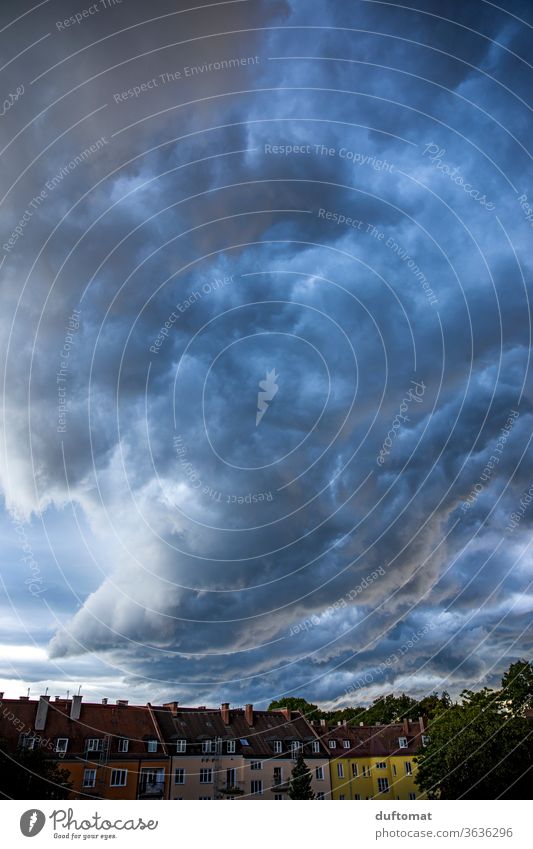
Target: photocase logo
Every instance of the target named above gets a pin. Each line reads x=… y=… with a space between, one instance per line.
x=32 y=822
x=268 y=388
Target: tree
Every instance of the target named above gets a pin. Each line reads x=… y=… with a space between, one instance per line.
x=300 y=780
x=309 y=710
x=517 y=687
x=30 y=774
x=476 y=751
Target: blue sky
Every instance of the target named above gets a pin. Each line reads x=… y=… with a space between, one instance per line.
x=338 y=193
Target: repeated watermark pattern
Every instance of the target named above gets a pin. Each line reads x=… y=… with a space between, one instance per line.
x=492 y=462
x=341 y=603
x=517 y=515
x=391 y=660
x=72 y=328
x=414 y=393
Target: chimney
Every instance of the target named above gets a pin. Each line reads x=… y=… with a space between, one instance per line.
x=75 y=708
x=361 y=724
x=1 y=696
x=172 y=706
x=224 y=710
x=323 y=723
x=42 y=711
x=422 y=724
x=339 y=722
x=405 y=724
x=286 y=711
x=122 y=702
x=249 y=714
x=104 y=701
x=24 y=698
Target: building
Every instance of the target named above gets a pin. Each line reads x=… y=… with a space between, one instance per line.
x=373 y=761
x=112 y=751
x=240 y=753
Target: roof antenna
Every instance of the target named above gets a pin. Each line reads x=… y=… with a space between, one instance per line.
x=46 y=691
x=68 y=694
x=28 y=692
x=79 y=688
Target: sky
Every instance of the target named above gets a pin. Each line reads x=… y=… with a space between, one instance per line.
x=265 y=334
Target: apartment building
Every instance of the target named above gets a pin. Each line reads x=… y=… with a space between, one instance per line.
x=240 y=753
x=112 y=751
x=373 y=761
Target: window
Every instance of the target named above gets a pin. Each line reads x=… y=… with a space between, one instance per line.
x=28 y=742
x=412 y=796
x=408 y=768
x=278 y=797
x=319 y=772
x=425 y=739
x=230 y=747
x=402 y=742
x=119 y=778
x=152 y=782
x=316 y=746
x=181 y=746
x=394 y=769
x=366 y=771
x=332 y=744
x=340 y=770
x=383 y=785
x=123 y=744
x=278 y=748
x=257 y=788
x=94 y=744
x=295 y=747
x=381 y=765
x=207 y=746
x=256 y=765
x=244 y=741
x=342 y=797
x=179 y=776
x=354 y=770
x=89 y=777
x=206 y=776
x=231 y=777
x=320 y=796
x=346 y=744
x=61 y=744
x=151 y=745
x=205 y=798
x=357 y=796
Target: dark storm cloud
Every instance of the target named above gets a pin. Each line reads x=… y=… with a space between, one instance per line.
x=194 y=280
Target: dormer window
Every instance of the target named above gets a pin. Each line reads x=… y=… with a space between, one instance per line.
x=278 y=747
x=61 y=745
x=346 y=744
x=230 y=747
x=94 y=744
x=207 y=747
x=332 y=744
x=402 y=742
x=151 y=746
x=123 y=744
x=425 y=739
x=316 y=746
x=181 y=746
x=295 y=747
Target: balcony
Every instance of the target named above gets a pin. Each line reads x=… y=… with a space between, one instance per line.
x=282 y=787
x=230 y=789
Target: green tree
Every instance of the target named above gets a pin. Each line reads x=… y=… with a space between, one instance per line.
x=300 y=780
x=517 y=687
x=31 y=774
x=476 y=751
x=309 y=710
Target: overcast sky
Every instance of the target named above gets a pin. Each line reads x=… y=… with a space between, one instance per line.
x=318 y=211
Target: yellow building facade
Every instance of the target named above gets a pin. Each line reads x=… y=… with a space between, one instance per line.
x=374 y=762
